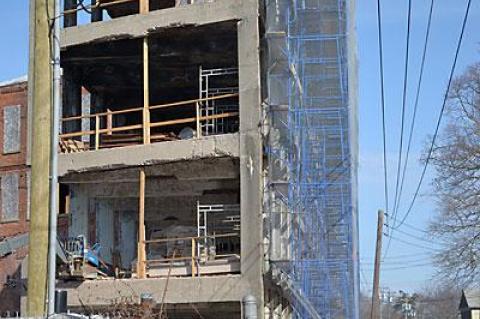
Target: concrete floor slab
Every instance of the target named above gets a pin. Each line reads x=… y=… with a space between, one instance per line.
x=158 y=153
x=101 y=293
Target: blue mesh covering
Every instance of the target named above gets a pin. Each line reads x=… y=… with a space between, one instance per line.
x=310 y=160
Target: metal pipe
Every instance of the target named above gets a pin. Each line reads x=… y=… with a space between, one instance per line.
x=54 y=160
x=249 y=307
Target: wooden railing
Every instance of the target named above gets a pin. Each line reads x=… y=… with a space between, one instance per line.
x=146 y=124
x=193 y=256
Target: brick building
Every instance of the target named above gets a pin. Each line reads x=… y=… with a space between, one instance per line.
x=14 y=195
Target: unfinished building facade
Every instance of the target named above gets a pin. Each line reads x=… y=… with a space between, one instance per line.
x=184 y=165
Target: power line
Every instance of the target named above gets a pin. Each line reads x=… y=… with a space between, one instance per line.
x=413 y=245
x=405 y=267
x=404 y=103
x=414 y=237
x=399 y=256
x=416 y=228
x=382 y=91
x=452 y=72
x=417 y=96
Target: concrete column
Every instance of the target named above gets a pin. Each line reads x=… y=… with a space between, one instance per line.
x=251 y=157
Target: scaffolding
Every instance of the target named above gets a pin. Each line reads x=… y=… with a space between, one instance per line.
x=312 y=217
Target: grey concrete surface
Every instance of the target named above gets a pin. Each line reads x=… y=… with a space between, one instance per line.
x=157 y=153
x=101 y=293
x=136 y=26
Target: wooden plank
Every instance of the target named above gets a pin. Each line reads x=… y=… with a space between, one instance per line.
x=156 y=124
x=109 y=122
x=165 y=240
x=146 y=92
x=97 y=132
x=141 y=254
x=193 y=119
x=194 y=265
x=144 y=8
x=155 y=107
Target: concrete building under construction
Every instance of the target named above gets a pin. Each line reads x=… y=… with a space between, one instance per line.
x=208 y=155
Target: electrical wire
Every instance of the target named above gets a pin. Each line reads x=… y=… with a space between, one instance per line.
x=382 y=93
x=415 y=108
x=404 y=104
x=422 y=239
x=413 y=245
x=439 y=121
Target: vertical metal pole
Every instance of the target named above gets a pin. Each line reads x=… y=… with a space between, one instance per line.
x=249 y=307
x=375 y=312
x=41 y=145
x=54 y=160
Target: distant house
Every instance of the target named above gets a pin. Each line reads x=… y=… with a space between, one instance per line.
x=470 y=304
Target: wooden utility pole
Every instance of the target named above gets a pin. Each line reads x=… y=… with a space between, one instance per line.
x=40 y=154
x=375 y=311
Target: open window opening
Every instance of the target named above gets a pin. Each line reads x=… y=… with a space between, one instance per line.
x=175 y=85
x=78 y=12
x=183 y=222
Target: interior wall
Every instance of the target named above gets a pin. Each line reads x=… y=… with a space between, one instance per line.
x=113 y=221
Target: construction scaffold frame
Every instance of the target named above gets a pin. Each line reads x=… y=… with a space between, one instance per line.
x=312 y=221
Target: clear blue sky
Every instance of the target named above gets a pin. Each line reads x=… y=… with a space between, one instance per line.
x=445 y=29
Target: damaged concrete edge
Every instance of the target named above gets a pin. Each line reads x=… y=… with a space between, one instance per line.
x=137 y=26
x=11 y=244
x=158 y=153
x=229 y=288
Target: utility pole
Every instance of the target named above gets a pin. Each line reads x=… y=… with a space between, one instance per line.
x=40 y=154
x=375 y=312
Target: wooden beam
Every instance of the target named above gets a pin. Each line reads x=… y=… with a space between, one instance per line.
x=97 y=132
x=146 y=94
x=144 y=6
x=141 y=253
x=155 y=107
x=194 y=265
x=109 y=122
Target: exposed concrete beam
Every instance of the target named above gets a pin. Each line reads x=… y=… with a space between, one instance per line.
x=211 y=169
x=102 y=293
x=163 y=188
x=137 y=26
x=158 y=153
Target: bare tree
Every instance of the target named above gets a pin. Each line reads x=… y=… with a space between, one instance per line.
x=456 y=159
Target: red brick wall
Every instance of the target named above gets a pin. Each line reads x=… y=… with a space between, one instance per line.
x=8 y=229
x=16 y=94
x=11 y=286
